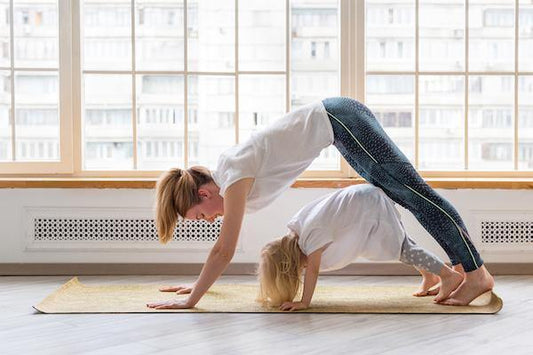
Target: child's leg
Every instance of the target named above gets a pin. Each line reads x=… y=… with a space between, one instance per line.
x=420 y=258
x=429 y=265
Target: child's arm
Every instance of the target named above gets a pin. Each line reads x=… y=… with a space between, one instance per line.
x=224 y=249
x=311 y=276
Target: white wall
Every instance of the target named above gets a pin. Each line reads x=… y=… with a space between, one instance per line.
x=258 y=228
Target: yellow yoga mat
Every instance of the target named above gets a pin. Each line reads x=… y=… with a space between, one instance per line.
x=75 y=297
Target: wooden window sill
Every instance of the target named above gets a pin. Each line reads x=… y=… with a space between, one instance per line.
x=149 y=183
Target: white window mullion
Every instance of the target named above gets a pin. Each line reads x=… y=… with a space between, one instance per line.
x=516 y=54
x=467 y=88
x=360 y=51
x=12 y=83
x=350 y=58
x=287 y=55
x=65 y=105
x=236 y=122
x=417 y=79
x=76 y=88
x=360 y=57
x=422 y=72
x=163 y=72
x=348 y=48
x=133 y=88
x=185 y=88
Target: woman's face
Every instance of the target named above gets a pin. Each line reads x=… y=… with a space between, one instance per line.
x=210 y=207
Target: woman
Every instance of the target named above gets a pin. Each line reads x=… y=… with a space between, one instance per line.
x=251 y=175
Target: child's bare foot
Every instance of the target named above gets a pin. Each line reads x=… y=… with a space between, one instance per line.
x=475 y=284
x=428 y=281
x=450 y=280
x=459 y=268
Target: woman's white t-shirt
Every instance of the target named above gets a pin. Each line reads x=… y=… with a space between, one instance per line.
x=276 y=155
x=357 y=221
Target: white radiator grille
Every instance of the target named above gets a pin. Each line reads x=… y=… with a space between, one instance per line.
x=118 y=229
x=510 y=232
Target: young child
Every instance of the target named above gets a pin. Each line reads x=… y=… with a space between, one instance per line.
x=330 y=233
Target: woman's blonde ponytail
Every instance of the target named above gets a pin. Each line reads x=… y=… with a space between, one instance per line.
x=176 y=193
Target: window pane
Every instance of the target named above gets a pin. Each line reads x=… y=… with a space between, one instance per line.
x=329 y=159
x=262 y=35
x=107 y=130
x=160 y=113
x=307 y=87
x=211 y=26
x=525 y=122
x=36 y=115
x=390 y=31
x=212 y=103
x=5 y=123
x=159 y=35
x=442 y=35
x=314 y=51
x=525 y=44
x=490 y=122
x=36 y=33
x=441 y=122
x=491 y=35
x=5 y=59
x=391 y=99
x=106 y=31
x=261 y=102
x=315 y=61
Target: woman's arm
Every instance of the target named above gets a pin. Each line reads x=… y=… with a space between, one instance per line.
x=311 y=277
x=224 y=249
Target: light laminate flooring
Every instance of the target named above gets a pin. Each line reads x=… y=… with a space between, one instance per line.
x=24 y=331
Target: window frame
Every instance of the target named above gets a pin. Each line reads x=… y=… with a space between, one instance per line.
x=352 y=73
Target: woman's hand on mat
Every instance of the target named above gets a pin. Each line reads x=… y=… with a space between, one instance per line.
x=293 y=306
x=180 y=290
x=172 y=304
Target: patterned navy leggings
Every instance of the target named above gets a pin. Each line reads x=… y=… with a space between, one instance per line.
x=366 y=147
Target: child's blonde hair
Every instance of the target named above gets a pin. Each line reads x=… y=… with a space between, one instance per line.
x=176 y=193
x=280 y=270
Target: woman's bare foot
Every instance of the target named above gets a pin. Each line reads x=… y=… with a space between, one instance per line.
x=429 y=280
x=450 y=280
x=475 y=284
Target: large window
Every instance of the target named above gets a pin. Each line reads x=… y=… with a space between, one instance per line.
x=173 y=83
x=31 y=131
x=457 y=72
x=133 y=87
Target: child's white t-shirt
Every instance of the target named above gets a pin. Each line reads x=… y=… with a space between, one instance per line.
x=276 y=155
x=357 y=221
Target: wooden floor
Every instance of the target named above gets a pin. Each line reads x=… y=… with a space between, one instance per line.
x=24 y=331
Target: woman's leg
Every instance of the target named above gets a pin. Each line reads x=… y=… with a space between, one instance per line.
x=367 y=148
